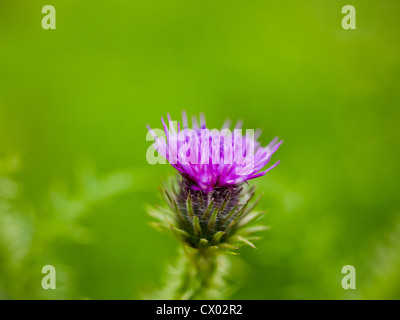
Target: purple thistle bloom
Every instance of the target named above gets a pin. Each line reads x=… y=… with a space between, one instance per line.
x=211 y=159
x=209 y=207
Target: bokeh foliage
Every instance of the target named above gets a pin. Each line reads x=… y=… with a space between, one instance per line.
x=85 y=91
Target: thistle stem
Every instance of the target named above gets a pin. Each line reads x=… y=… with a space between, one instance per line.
x=199 y=274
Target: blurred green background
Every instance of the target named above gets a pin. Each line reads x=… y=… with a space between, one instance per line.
x=75 y=101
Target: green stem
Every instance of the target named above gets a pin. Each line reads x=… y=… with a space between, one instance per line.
x=199 y=274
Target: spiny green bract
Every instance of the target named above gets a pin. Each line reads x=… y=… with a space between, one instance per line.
x=221 y=220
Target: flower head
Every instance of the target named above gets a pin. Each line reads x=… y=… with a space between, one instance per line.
x=212 y=159
x=210 y=205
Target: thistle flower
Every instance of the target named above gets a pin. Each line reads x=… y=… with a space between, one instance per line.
x=214 y=159
x=210 y=205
